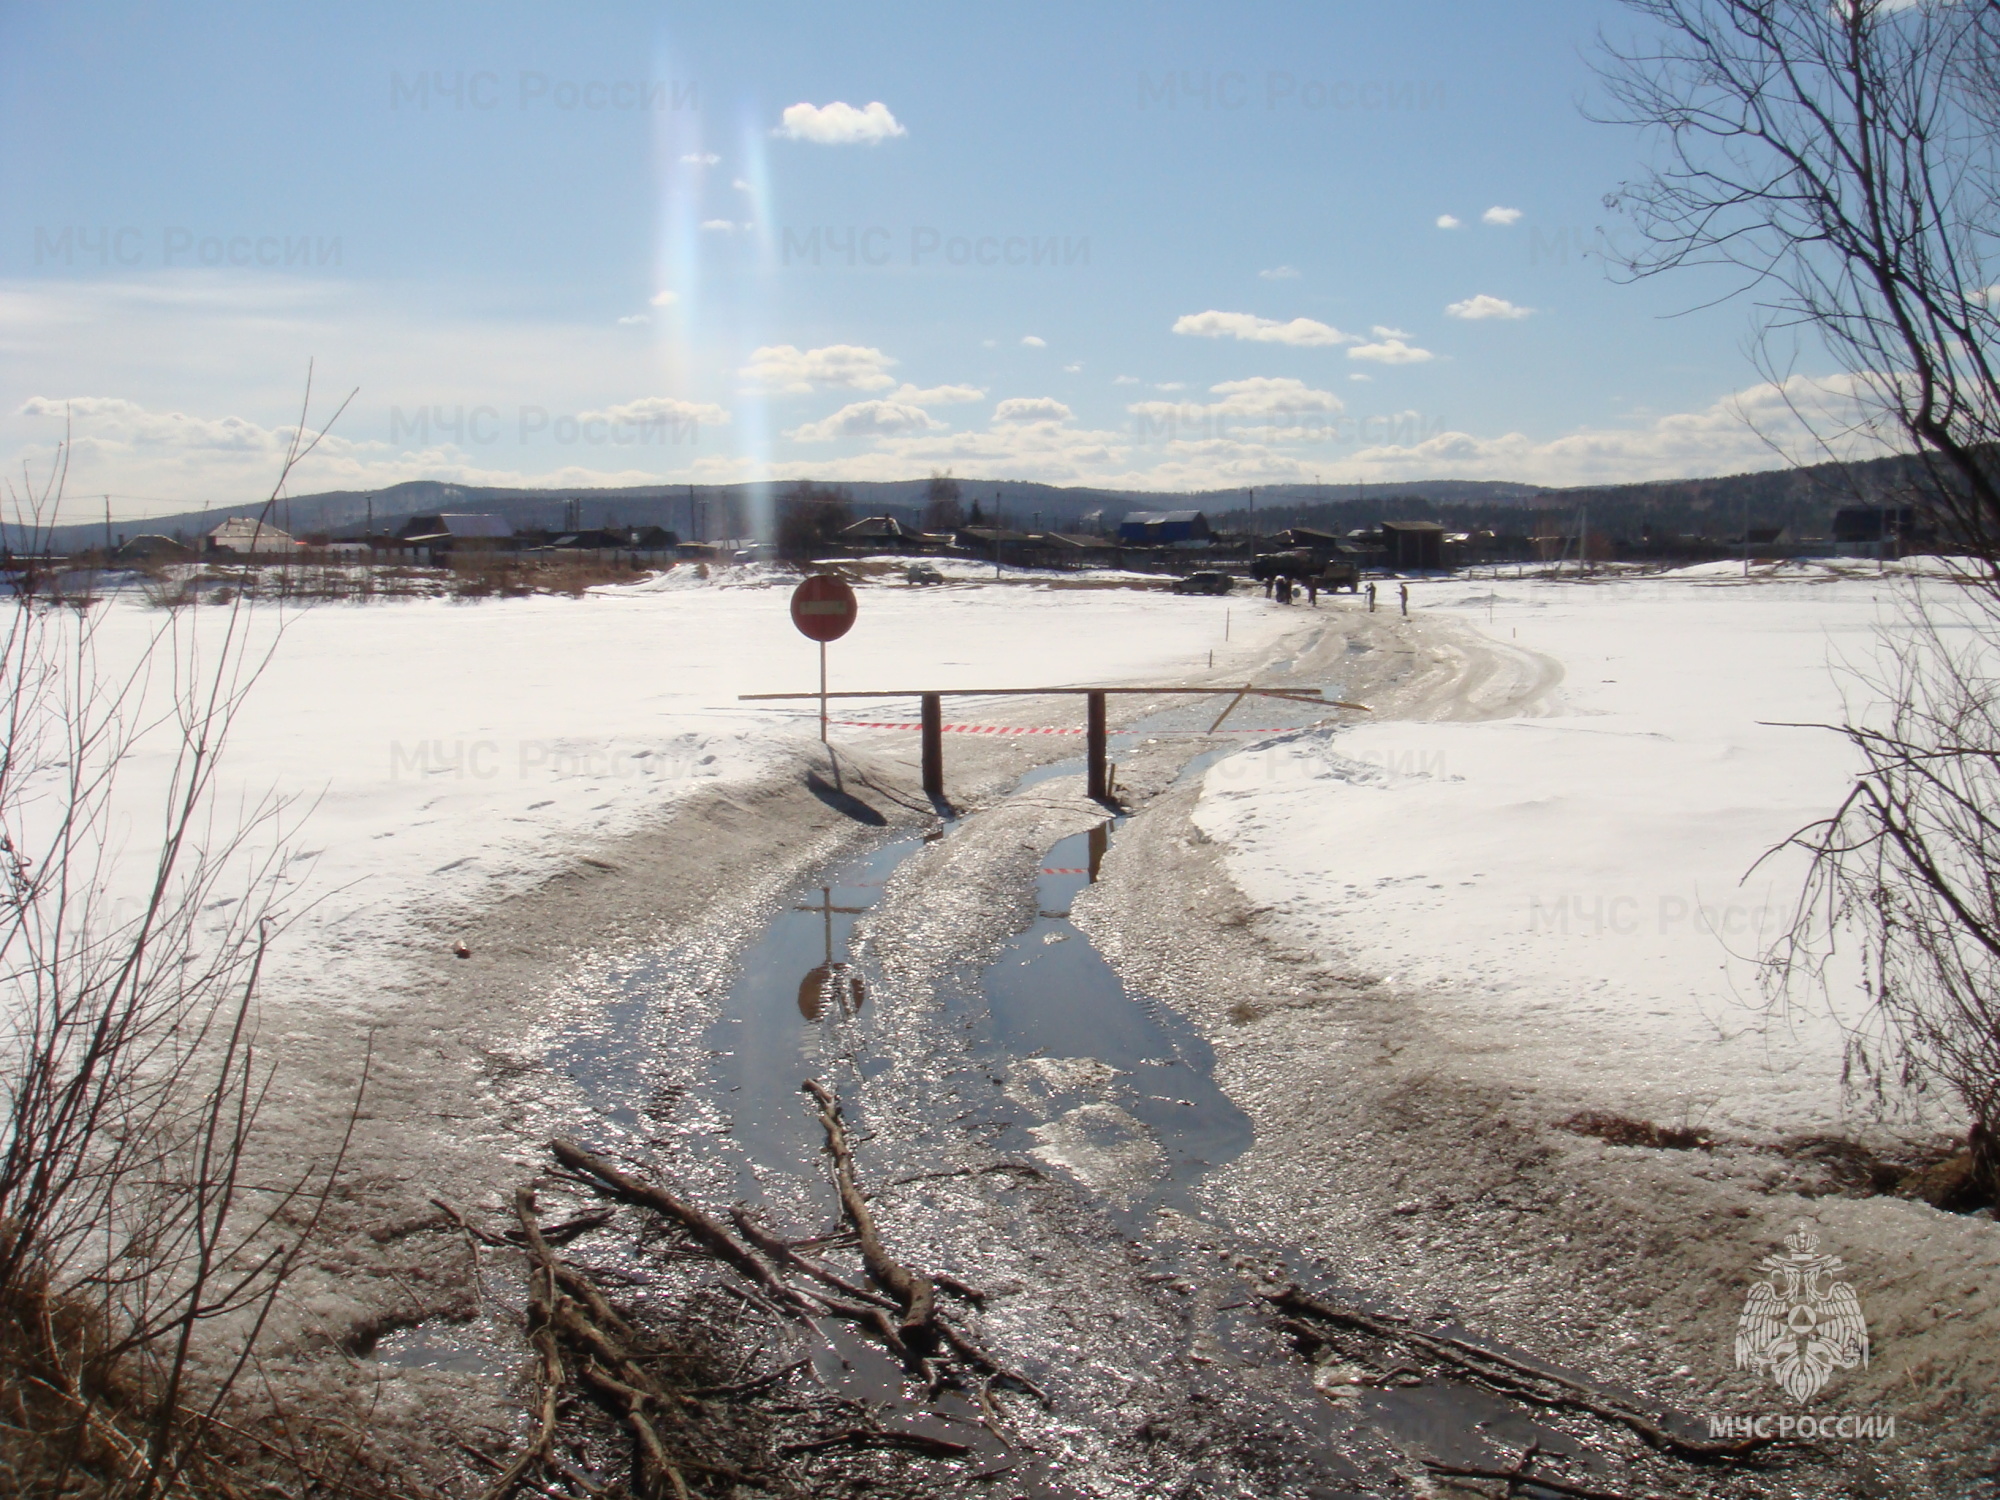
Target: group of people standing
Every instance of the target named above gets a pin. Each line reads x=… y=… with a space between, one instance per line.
x=1284 y=589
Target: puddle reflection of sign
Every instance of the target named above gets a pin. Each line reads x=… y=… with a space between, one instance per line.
x=836 y=987
x=823 y=607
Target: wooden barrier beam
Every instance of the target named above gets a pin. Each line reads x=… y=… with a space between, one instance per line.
x=1096 y=720
x=1293 y=695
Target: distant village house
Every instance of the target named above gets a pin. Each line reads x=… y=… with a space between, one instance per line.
x=1164 y=528
x=242 y=536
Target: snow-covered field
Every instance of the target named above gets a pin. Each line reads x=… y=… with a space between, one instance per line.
x=1569 y=894
x=449 y=752
x=1565 y=893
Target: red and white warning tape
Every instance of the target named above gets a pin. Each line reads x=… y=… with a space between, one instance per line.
x=951 y=728
x=1038 y=729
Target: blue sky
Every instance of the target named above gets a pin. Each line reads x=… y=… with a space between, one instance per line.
x=1170 y=246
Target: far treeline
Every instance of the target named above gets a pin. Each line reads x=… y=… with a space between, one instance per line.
x=1799 y=503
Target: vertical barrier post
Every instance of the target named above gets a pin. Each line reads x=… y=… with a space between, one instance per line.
x=933 y=716
x=1095 y=736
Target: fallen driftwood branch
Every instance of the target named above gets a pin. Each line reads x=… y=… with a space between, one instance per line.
x=608 y=1364
x=1518 y=1473
x=720 y=1243
x=915 y=1294
x=569 y=1229
x=778 y=1250
x=541 y=1334
x=679 y=1433
x=710 y=1235
x=755 y=1383
x=882 y=1437
x=1016 y=1168
x=1515 y=1378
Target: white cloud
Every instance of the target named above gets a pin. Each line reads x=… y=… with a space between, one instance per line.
x=1383 y=331
x=839 y=124
x=1170 y=385
x=1280 y=273
x=1501 y=216
x=115 y=420
x=864 y=419
x=665 y=299
x=1752 y=429
x=1264 y=395
x=1125 y=380
x=937 y=395
x=784 y=368
x=659 y=411
x=1075 y=369
x=1303 y=332
x=1031 y=409
x=742 y=187
x=112 y=340
x=1274 y=397
x=1481 y=307
x=1359 y=375
x=1034 y=343
x=1034 y=441
x=1390 y=352
x=161 y=453
x=1449 y=221
x=634 y=320
x=719 y=226
x=701 y=158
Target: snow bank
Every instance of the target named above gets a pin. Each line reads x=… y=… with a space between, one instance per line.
x=1570 y=896
x=444 y=753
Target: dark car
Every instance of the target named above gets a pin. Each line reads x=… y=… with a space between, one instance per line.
x=1204 y=583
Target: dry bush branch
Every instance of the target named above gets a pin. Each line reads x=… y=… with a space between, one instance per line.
x=1843 y=158
x=139 y=1264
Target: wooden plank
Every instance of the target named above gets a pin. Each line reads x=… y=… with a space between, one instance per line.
x=1299 y=695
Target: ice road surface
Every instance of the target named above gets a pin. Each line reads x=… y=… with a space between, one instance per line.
x=1567 y=892
x=444 y=754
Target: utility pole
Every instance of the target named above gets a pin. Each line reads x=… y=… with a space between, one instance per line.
x=107 y=528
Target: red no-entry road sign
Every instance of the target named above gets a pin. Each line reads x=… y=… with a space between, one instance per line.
x=823 y=608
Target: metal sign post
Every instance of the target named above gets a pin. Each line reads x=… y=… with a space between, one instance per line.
x=823 y=608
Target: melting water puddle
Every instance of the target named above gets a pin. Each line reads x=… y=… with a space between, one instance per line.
x=1122 y=1088
x=795 y=989
x=1126 y=1084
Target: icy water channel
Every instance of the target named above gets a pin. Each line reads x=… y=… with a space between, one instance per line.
x=1144 y=1117
x=1058 y=1062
